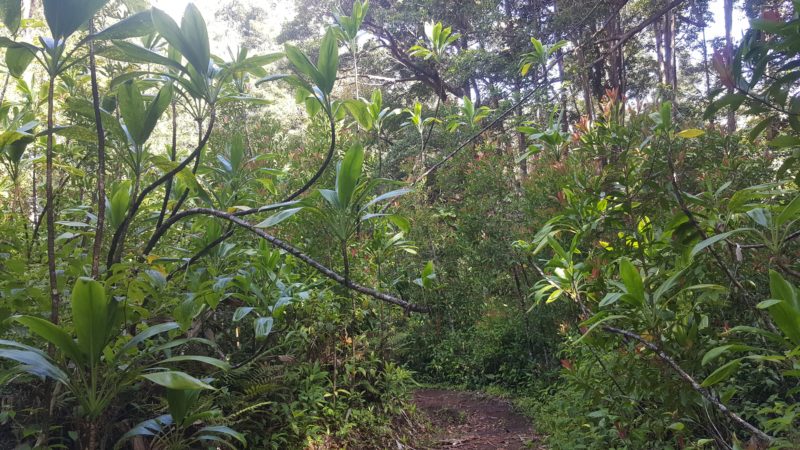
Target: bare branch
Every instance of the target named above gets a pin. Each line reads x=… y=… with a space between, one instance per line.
x=695 y=385
x=297 y=254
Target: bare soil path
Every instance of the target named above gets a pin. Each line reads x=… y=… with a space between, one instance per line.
x=469 y=421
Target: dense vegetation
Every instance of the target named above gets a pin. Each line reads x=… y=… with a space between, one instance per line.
x=571 y=203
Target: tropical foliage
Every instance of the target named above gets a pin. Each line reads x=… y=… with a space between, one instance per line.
x=540 y=198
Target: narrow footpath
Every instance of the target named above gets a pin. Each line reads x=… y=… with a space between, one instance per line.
x=469 y=421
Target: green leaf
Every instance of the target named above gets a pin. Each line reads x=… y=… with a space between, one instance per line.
x=691 y=133
x=348 y=174
x=278 y=217
x=34 y=363
x=225 y=431
x=155 y=109
x=666 y=115
x=676 y=426
x=11 y=14
x=268 y=78
x=139 y=24
x=303 y=65
x=170 y=31
x=610 y=299
x=241 y=312
x=180 y=402
x=195 y=34
x=85 y=108
x=722 y=373
x=733 y=100
x=713 y=240
x=91 y=317
x=17 y=60
x=149 y=427
x=716 y=352
x=789 y=213
x=785 y=141
x=328 y=62
x=262 y=327
x=154 y=330
x=767 y=303
x=135 y=53
x=64 y=17
x=632 y=279
x=53 y=334
x=173 y=379
x=132 y=108
x=786 y=314
x=387 y=196
x=218 y=363
x=759 y=128
x=120 y=203
x=360 y=112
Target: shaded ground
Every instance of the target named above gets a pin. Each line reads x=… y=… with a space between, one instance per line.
x=468 y=421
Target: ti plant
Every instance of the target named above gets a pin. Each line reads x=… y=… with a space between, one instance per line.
x=372 y=116
x=179 y=429
x=346 y=206
x=468 y=116
x=101 y=364
x=347 y=28
x=419 y=122
x=540 y=55
x=439 y=39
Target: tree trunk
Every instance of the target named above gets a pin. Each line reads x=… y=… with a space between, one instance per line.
x=728 y=5
x=55 y=297
x=668 y=41
x=587 y=90
x=101 y=162
x=658 y=30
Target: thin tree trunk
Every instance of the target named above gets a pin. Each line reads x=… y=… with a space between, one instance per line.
x=173 y=157
x=673 y=32
x=55 y=297
x=587 y=90
x=728 y=6
x=659 y=33
x=562 y=75
x=668 y=50
x=101 y=162
x=185 y=194
x=522 y=145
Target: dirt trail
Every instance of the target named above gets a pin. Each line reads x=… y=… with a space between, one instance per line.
x=468 y=421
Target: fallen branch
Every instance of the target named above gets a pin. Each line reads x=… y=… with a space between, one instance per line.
x=288 y=248
x=307 y=185
x=695 y=385
x=119 y=236
x=667 y=359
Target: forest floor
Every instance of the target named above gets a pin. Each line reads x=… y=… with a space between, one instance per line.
x=474 y=421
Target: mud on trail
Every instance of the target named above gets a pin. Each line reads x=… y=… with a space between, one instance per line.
x=469 y=421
